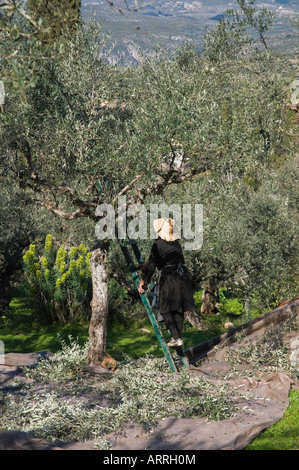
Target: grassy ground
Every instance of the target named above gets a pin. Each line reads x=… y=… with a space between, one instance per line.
x=19 y=334
x=126 y=338
x=283 y=435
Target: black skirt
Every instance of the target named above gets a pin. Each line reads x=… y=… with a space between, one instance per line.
x=174 y=284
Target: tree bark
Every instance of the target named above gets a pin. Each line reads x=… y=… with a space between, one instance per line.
x=5 y=296
x=99 y=307
x=209 y=297
x=195 y=319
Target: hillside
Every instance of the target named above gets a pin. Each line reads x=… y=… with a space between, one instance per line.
x=168 y=23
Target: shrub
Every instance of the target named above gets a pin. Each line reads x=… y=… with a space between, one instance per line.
x=233 y=306
x=62 y=366
x=57 y=281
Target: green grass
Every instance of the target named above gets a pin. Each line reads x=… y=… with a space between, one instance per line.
x=46 y=338
x=125 y=339
x=131 y=341
x=20 y=333
x=122 y=341
x=283 y=435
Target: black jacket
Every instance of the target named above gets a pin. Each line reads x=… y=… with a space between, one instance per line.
x=175 y=291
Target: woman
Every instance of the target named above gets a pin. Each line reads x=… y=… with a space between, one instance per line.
x=174 y=287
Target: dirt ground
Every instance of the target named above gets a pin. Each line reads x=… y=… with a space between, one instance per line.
x=267 y=399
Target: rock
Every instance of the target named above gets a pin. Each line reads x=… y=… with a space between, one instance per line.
x=294 y=348
x=144 y=330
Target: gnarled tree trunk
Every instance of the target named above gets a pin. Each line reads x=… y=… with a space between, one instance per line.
x=5 y=296
x=99 y=307
x=195 y=319
x=209 y=297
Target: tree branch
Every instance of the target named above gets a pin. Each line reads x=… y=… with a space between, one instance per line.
x=125 y=189
x=171 y=177
x=53 y=207
x=62 y=189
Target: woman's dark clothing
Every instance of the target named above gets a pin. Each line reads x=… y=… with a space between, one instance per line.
x=174 y=322
x=175 y=291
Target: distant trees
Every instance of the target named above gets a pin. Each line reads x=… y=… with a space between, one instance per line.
x=238 y=29
x=250 y=239
x=15 y=229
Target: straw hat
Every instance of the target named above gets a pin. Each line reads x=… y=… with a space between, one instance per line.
x=164 y=228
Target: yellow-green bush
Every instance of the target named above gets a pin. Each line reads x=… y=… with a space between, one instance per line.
x=58 y=280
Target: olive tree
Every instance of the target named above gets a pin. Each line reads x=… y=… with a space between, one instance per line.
x=250 y=241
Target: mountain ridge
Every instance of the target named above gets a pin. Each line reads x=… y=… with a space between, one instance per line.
x=168 y=23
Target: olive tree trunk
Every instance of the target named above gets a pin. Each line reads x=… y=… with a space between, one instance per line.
x=208 y=297
x=5 y=296
x=195 y=319
x=99 y=307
